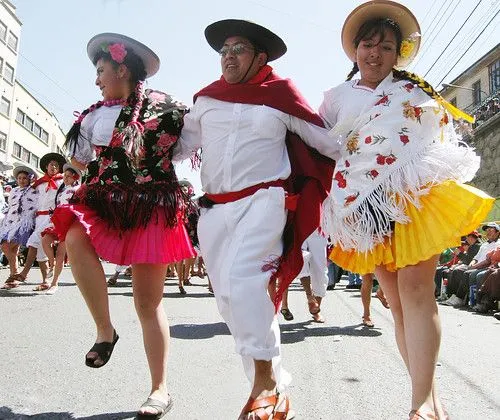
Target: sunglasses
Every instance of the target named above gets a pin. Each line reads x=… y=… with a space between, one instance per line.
x=235 y=49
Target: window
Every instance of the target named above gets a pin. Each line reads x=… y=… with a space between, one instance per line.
x=20 y=116
x=34 y=160
x=5 y=106
x=3 y=30
x=8 y=73
x=1 y=65
x=16 y=151
x=25 y=155
x=28 y=123
x=3 y=141
x=12 y=41
x=45 y=137
x=37 y=130
x=453 y=101
x=494 y=73
x=476 y=92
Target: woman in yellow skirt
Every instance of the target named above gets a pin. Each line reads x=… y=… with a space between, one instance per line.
x=398 y=197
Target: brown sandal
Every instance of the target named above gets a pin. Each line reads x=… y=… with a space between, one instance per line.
x=265 y=402
x=41 y=287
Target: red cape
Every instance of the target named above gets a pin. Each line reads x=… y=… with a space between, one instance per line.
x=311 y=175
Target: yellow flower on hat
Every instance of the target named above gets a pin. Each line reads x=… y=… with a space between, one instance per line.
x=408 y=45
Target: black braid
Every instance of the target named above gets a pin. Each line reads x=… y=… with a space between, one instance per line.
x=354 y=70
x=74 y=131
x=420 y=82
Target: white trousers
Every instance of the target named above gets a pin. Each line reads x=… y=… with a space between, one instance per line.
x=35 y=240
x=236 y=240
x=315 y=264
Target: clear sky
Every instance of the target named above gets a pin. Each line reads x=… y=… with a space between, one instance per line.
x=54 y=66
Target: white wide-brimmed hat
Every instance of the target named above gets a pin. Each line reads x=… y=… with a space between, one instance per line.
x=72 y=168
x=101 y=42
x=24 y=168
x=4 y=166
x=379 y=9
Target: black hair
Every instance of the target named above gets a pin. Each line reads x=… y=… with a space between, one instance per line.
x=132 y=61
x=138 y=74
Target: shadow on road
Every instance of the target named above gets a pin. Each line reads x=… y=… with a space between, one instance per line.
x=198 y=331
x=7 y=414
x=297 y=332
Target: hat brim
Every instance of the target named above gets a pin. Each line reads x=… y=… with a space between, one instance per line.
x=494 y=226
x=147 y=55
x=5 y=166
x=23 y=168
x=72 y=168
x=380 y=9
x=45 y=159
x=217 y=33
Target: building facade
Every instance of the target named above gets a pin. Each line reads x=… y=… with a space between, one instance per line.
x=477 y=91
x=476 y=85
x=28 y=130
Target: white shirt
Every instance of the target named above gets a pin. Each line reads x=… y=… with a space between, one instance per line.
x=484 y=249
x=244 y=145
x=47 y=199
x=96 y=130
x=343 y=103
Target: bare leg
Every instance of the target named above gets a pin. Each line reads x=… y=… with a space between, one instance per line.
x=30 y=259
x=47 y=241
x=43 y=265
x=366 y=296
x=59 y=263
x=91 y=280
x=148 y=282
x=188 y=268
x=264 y=386
x=179 y=269
x=422 y=329
x=427 y=333
x=10 y=250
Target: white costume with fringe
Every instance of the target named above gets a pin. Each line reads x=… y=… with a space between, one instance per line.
x=400 y=143
x=19 y=221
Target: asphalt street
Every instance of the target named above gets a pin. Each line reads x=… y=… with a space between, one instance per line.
x=340 y=369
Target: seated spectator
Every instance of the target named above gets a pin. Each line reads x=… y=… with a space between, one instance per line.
x=460 y=276
x=464 y=254
x=489 y=292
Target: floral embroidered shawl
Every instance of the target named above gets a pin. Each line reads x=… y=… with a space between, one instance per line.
x=401 y=144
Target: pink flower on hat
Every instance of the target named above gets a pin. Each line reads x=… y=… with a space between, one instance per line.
x=118 y=52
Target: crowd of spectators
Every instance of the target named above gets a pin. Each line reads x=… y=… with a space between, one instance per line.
x=469 y=276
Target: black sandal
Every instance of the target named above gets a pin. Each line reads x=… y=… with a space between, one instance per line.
x=103 y=350
x=287 y=314
x=160 y=407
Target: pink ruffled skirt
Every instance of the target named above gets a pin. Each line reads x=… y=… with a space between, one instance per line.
x=154 y=244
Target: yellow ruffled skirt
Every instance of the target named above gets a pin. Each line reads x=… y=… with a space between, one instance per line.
x=450 y=210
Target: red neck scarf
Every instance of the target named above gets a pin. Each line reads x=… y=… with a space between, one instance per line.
x=51 y=181
x=311 y=175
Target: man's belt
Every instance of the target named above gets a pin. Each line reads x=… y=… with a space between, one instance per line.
x=208 y=200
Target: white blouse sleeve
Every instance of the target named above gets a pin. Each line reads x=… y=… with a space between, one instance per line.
x=84 y=150
x=329 y=108
x=316 y=137
x=190 y=139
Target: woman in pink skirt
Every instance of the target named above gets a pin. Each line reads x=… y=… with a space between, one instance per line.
x=128 y=210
